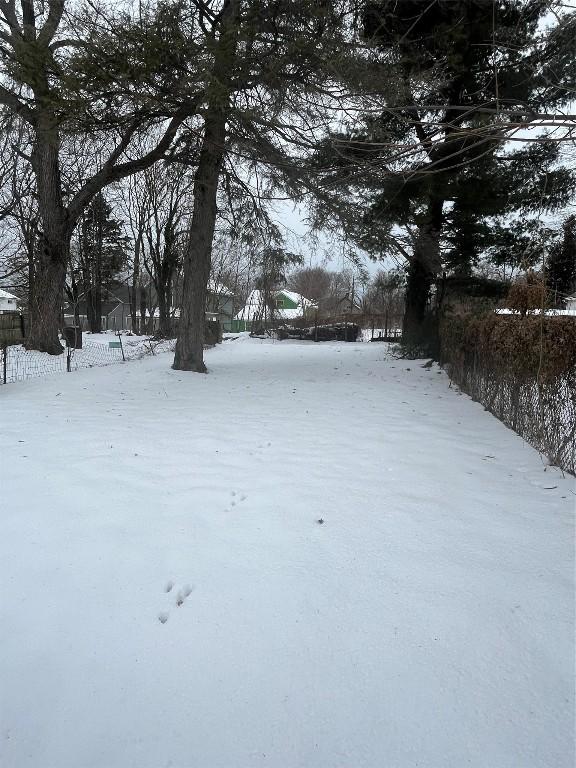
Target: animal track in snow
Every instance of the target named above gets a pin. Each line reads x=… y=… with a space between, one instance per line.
x=236 y=498
x=183 y=594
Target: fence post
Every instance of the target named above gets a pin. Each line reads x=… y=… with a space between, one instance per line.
x=68 y=358
x=4 y=361
x=121 y=346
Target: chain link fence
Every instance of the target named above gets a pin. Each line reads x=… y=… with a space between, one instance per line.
x=522 y=370
x=19 y=364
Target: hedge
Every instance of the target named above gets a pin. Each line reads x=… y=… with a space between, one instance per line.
x=523 y=370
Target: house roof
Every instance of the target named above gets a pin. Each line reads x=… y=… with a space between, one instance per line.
x=297 y=298
x=5 y=295
x=252 y=308
x=255 y=304
x=219 y=288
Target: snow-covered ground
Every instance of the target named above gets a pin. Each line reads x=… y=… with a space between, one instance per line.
x=25 y=364
x=169 y=597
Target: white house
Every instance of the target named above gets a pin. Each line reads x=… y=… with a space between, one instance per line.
x=8 y=302
x=288 y=306
x=571 y=302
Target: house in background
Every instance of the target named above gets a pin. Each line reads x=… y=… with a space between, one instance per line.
x=288 y=306
x=220 y=303
x=8 y=302
x=116 y=300
x=571 y=302
x=115 y=308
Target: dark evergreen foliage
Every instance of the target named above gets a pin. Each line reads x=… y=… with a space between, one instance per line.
x=561 y=267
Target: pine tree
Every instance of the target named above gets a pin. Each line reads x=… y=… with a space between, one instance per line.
x=488 y=194
x=465 y=67
x=101 y=255
x=561 y=266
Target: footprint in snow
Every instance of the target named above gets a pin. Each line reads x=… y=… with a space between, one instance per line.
x=237 y=498
x=183 y=594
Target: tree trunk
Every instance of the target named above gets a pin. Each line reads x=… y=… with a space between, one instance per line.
x=31 y=276
x=164 y=319
x=94 y=308
x=417 y=293
x=97 y=295
x=50 y=272
x=189 y=355
x=46 y=307
x=74 y=298
x=143 y=307
x=135 y=282
x=424 y=268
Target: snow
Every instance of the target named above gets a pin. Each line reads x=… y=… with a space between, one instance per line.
x=536 y=312
x=214 y=286
x=297 y=298
x=169 y=598
x=25 y=364
x=5 y=295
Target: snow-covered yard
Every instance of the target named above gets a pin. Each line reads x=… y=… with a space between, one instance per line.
x=169 y=597
x=22 y=364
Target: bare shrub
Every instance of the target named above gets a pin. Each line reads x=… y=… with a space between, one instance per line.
x=527 y=293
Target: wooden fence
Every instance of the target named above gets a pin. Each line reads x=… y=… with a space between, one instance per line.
x=12 y=328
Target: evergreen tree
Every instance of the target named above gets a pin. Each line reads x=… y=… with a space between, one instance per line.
x=487 y=194
x=465 y=66
x=101 y=255
x=561 y=265
x=272 y=264
x=467 y=74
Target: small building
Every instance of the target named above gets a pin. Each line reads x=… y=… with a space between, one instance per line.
x=8 y=302
x=571 y=302
x=285 y=306
x=219 y=303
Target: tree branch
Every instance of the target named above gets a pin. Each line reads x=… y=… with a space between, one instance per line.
x=52 y=22
x=111 y=172
x=13 y=103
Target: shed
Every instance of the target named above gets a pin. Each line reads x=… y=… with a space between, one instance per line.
x=8 y=302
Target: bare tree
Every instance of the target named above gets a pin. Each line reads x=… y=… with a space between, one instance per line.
x=312 y=282
x=37 y=83
x=167 y=193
